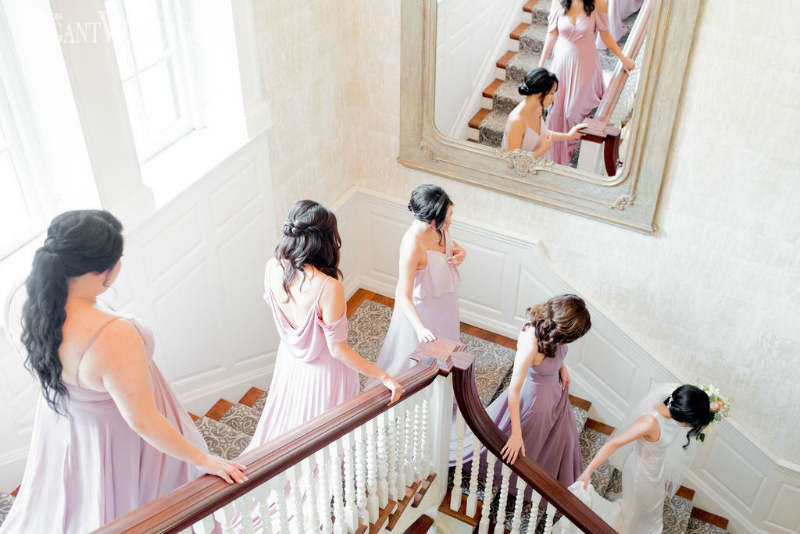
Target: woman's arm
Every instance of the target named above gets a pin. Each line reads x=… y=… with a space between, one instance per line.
x=459 y=254
x=645 y=426
x=515 y=135
x=409 y=259
x=524 y=358
x=333 y=307
x=121 y=364
x=549 y=43
x=573 y=133
x=609 y=41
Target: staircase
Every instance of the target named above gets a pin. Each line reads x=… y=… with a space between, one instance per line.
x=501 y=96
x=228 y=426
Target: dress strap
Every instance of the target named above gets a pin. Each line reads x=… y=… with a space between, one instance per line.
x=88 y=346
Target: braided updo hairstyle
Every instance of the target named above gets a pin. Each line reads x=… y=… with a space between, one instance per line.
x=310 y=237
x=429 y=203
x=690 y=405
x=560 y=320
x=78 y=242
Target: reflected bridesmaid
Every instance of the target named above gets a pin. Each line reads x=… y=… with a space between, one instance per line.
x=109 y=434
x=426 y=298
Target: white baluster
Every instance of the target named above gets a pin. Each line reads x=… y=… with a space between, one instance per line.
x=499 y=525
x=324 y=498
x=536 y=499
x=408 y=446
x=417 y=464
x=205 y=525
x=491 y=461
x=263 y=494
x=383 y=463
x=311 y=492
x=244 y=507
x=400 y=466
x=224 y=517
x=548 y=521
x=455 y=495
x=296 y=497
x=516 y=523
x=372 y=471
x=426 y=461
x=361 y=476
x=391 y=447
x=472 y=500
x=283 y=514
x=335 y=465
x=351 y=509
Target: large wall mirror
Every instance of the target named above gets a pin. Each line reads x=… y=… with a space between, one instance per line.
x=568 y=103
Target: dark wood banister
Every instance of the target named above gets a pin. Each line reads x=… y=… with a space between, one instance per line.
x=466 y=393
x=201 y=497
x=599 y=130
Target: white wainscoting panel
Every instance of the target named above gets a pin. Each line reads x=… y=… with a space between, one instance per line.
x=502 y=275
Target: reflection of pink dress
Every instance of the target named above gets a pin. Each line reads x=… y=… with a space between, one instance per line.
x=89 y=468
x=435 y=296
x=307 y=379
x=576 y=64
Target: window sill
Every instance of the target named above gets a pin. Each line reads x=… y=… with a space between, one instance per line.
x=174 y=170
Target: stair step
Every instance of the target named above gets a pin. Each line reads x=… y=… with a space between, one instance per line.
x=6 y=501
x=506 y=97
x=591 y=440
x=461 y=513
x=492 y=127
x=477 y=119
x=219 y=409
x=599 y=427
x=578 y=402
x=517 y=32
x=712 y=519
x=422 y=525
x=503 y=61
x=402 y=505
x=242 y=418
x=698 y=526
x=252 y=395
x=539 y=10
x=491 y=88
x=221 y=439
x=519 y=64
x=677 y=512
x=532 y=39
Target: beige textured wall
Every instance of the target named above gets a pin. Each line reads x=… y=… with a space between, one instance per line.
x=715 y=294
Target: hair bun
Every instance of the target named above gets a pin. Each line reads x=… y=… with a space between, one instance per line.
x=524 y=89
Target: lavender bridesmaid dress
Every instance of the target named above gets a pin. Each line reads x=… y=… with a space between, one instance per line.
x=88 y=468
x=618 y=11
x=307 y=379
x=435 y=296
x=576 y=63
x=547 y=421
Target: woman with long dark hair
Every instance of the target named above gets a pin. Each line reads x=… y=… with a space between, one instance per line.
x=426 y=298
x=109 y=434
x=525 y=126
x=315 y=369
x=660 y=447
x=572 y=28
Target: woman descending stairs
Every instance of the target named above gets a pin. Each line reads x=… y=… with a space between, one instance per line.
x=228 y=426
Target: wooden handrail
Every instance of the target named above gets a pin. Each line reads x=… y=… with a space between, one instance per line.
x=466 y=393
x=201 y=497
x=597 y=124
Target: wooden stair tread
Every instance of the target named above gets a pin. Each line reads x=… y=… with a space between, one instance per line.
x=708 y=517
x=529 y=5
x=424 y=485
x=461 y=513
x=219 y=409
x=519 y=30
x=599 y=427
x=578 y=402
x=477 y=119
x=402 y=505
x=420 y=526
x=491 y=88
x=250 y=398
x=686 y=493
x=503 y=62
x=383 y=516
x=193 y=416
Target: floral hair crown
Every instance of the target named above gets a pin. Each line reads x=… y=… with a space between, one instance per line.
x=720 y=406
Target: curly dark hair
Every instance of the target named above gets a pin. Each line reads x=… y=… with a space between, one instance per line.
x=560 y=320
x=690 y=405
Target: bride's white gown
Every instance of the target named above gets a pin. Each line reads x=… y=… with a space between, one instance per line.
x=644 y=485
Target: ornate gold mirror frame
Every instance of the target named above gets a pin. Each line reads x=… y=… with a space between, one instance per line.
x=628 y=199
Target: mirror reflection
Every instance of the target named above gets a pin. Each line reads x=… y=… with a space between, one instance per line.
x=554 y=78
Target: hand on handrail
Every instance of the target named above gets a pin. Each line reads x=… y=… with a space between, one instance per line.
x=394 y=386
x=512 y=448
x=227 y=470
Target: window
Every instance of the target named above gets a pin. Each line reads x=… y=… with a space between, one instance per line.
x=151 y=51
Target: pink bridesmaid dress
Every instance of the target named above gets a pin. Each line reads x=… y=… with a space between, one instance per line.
x=87 y=468
x=307 y=379
x=576 y=63
x=435 y=296
x=618 y=11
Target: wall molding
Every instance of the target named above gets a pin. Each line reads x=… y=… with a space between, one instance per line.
x=732 y=474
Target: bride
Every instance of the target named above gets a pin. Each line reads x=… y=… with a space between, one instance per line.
x=662 y=452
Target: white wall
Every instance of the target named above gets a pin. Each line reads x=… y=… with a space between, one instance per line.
x=471 y=35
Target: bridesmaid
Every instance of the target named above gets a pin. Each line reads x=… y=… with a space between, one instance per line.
x=315 y=369
x=535 y=409
x=525 y=126
x=573 y=27
x=109 y=434
x=426 y=298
